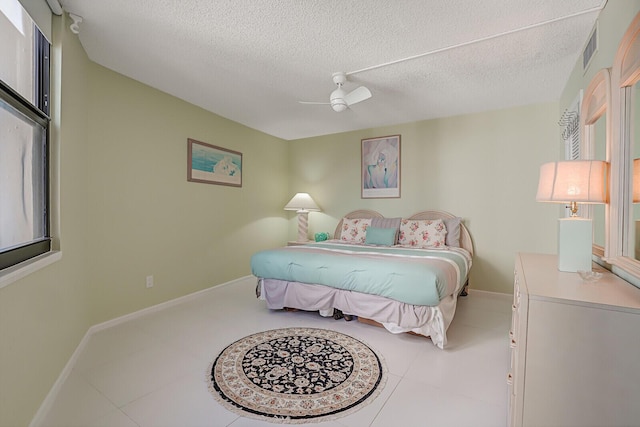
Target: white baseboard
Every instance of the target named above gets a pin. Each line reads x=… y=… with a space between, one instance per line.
x=499 y=295
x=159 y=307
x=47 y=403
x=38 y=419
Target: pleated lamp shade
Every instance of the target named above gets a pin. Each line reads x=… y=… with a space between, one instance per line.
x=302 y=202
x=581 y=181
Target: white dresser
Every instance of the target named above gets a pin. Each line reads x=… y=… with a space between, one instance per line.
x=575 y=348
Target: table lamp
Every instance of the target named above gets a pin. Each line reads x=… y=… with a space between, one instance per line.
x=302 y=203
x=573 y=182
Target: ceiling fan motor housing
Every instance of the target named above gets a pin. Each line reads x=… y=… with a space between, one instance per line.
x=339 y=78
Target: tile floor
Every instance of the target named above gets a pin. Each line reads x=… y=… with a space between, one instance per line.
x=151 y=371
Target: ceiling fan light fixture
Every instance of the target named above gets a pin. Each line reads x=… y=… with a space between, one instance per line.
x=339 y=105
x=337 y=100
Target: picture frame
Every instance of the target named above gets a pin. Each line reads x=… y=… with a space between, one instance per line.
x=211 y=164
x=380 y=167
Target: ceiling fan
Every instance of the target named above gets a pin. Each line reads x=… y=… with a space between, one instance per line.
x=340 y=99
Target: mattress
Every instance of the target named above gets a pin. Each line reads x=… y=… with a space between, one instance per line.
x=407 y=275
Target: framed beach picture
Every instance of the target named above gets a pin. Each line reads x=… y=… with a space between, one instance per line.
x=380 y=158
x=213 y=165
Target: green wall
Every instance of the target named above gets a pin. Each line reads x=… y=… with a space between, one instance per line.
x=147 y=219
x=482 y=167
x=123 y=209
x=44 y=316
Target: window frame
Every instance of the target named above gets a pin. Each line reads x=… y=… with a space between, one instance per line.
x=39 y=114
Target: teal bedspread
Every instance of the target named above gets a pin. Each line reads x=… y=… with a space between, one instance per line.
x=412 y=276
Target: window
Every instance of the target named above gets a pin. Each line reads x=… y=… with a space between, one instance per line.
x=24 y=137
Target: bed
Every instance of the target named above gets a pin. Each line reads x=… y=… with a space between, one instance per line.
x=404 y=274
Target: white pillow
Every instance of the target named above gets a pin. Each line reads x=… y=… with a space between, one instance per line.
x=422 y=233
x=354 y=230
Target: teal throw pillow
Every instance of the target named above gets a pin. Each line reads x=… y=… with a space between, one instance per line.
x=380 y=236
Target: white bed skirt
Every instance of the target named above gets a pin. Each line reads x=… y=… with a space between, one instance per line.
x=395 y=316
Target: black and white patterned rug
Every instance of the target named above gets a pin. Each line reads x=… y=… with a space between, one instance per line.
x=296 y=375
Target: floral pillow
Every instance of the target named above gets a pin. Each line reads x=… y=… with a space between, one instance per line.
x=422 y=233
x=354 y=230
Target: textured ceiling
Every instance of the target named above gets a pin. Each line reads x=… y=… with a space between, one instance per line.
x=251 y=61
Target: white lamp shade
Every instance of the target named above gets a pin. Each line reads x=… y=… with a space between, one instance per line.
x=583 y=181
x=302 y=202
x=636 y=181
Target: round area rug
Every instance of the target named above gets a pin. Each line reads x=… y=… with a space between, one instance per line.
x=296 y=375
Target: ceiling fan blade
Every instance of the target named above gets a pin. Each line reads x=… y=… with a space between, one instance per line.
x=313 y=103
x=357 y=95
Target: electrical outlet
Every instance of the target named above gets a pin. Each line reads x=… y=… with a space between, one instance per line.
x=149 y=281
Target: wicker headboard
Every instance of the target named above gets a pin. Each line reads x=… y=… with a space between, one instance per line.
x=465 y=237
